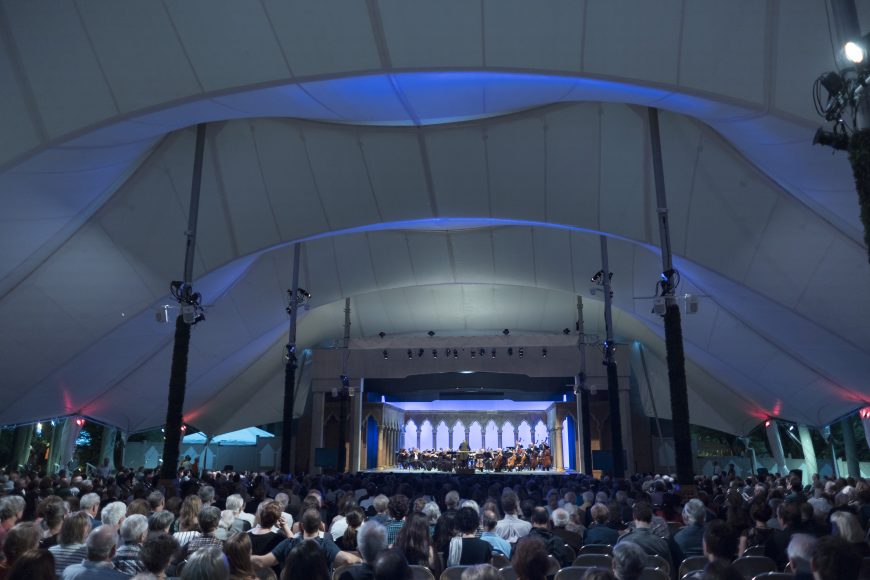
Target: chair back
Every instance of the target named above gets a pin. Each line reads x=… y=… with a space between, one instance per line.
x=691 y=564
x=553 y=565
x=778 y=576
x=571 y=552
x=500 y=560
x=453 y=573
x=336 y=574
x=507 y=573
x=752 y=566
x=594 y=561
x=653 y=561
x=596 y=549
x=572 y=573
x=754 y=551
x=421 y=573
x=654 y=574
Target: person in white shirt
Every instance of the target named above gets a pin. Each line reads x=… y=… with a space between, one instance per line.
x=511 y=527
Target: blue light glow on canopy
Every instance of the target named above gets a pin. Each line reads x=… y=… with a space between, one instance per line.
x=470 y=405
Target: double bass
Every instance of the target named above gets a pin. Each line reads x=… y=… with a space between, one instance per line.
x=546 y=458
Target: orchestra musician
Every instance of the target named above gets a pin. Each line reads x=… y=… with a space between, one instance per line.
x=533 y=457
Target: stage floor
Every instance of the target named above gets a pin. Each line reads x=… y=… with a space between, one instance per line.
x=524 y=472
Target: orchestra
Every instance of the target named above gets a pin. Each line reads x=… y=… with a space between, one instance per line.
x=533 y=457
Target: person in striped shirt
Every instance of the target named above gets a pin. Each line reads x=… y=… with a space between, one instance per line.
x=70 y=548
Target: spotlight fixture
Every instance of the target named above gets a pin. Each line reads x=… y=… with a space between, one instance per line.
x=767 y=423
x=598 y=277
x=382 y=334
x=506 y=331
x=482 y=352
x=864 y=413
x=386 y=354
x=493 y=353
x=510 y=351
x=410 y=354
x=447 y=352
x=521 y=352
x=80 y=421
x=455 y=353
x=420 y=353
x=431 y=333
x=854 y=52
x=434 y=353
x=544 y=352
x=184 y=428
x=566 y=331
x=836 y=139
x=472 y=353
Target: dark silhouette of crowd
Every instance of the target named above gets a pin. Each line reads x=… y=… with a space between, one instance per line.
x=398 y=526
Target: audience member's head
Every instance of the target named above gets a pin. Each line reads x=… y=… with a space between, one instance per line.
x=509 y=504
x=530 y=559
x=480 y=572
x=310 y=521
x=629 y=560
x=835 y=559
x=720 y=541
x=432 y=511
x=489 y=521
x=398 y=506
x=134 y=529
x=846 y=525
x=113 y=514
x=156 y=553
x=102 y=543
x=642 y=513
x=800 y=552
x=467 y=521
x=160 y=522
x=238 y=550
x=308 y=561
x=391 y=565
x=269 y=514
x=209 y=517
x=540 y=517
x=371 y=540
x=75 y=529
x=599 y=513
x=561 y=518
x=694 y=513
x=451 y=500
x=33 y=565
x=206 y=564
x=156 y=501
x=206 y=494
x=381 y=503
x=21 y=538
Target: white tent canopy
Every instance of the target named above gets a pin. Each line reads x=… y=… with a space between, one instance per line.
x=449 y=166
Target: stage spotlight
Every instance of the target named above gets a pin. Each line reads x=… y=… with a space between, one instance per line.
x=833 y=83
x=854 y=52
x=420 y=353
x=521 y=352
x=767 y=423
x=510 y=351
x=80 y=421
x=410 y=354
x=482 y=352
x=839 y=141
x=386 y=354
x=382 y=334
x=431 y=333
x=566 y=331
x=434 y=353
x=455 y=353
x=493 y=353
x=598 y=277
x=447 y=352
x=544 y=352
x=506 y=331
x=472 y=353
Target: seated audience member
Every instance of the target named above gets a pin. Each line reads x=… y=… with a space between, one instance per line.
x=561 y=520
x=372 y=540
x=138 y=506
x=232 y=520
x=398 y=508
x=354 y=519
x=206 y=495
x=307 y=560
x=311 y=528
x=800 y=555
x=846 y=525
x=760 y=532
x=156 y=502
x=642 y=534
x=102 y=543
x=835 y=559
x=90 y=504
x=187 y=524
x=264 y=536
x=156 y=555
x=71 y=548
x=206 y=564
x=391 y=565
x=53 y=511
x=209 y=517
x=499 y=544
x=689 y=541
x=134 y=531
x=284 y=500
x=467 y=549
x=789 y=518
x=480 y=572
x=598 y=531
x=381 y=504
x=719 y=570
x=556 y=547
x=413 y=541
x=113 y=515
x=33 y=565
x=511 y=527
x=238 y=551
x=530 y=560
x=159 y=523
x=629 y=560
x=720 y=542
x=21 y=538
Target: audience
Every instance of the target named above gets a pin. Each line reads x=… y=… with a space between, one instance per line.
x=156 y=555
x=134 y=531
x=21 y=538
x=33 y=565
x=101 y=544
x=209 y=563
x=71 y=548
x=391 y=565
x=629 y=560
x=530 y=560
x=642 y=533
x=467 y=549
x=306 y=560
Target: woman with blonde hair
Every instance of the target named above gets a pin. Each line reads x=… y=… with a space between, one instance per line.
x=70 y=548
x=188 y=524
x=846 y=525
x=238 y=551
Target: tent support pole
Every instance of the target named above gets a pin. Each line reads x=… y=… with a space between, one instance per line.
x=290 y=369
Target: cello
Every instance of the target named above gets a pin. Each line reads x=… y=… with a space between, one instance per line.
x=546 y=458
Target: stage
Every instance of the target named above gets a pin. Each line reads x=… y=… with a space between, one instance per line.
x=522 y=472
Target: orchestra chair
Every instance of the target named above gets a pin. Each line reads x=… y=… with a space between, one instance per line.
x=507 y=573
x=500 y=560
x=653 y=561
x=453 y=573
x=336 y=574
x=571 y=551
x=421 y=573
x=754 y=551
x=779 y=576
x=596 y=549
x=691 y=564
x=553 y=565
x=594 y=561
x=752 y=566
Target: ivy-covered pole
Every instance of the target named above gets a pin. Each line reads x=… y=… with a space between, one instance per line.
x=673 y=325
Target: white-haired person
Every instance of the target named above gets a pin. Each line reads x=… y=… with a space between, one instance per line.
x=689 y=540
x=134 y=532
x=847 y=526
x=561 y=520
x=206 y=564
x=113 y=515
x=231 y=521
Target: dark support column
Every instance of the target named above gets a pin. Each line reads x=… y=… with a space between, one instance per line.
x=581 y=396
x=189 y=301
x=852 y=466
x=612 y=377
x=290 y=369
x=342 y=394
x=673 y=325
